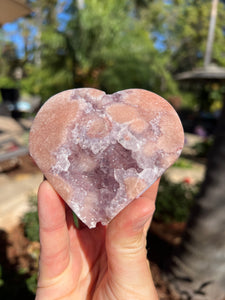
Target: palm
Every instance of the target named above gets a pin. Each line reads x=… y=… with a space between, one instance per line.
x=88 y=252
x=83 y=264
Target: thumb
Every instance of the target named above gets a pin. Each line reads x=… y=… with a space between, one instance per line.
x=126 y=237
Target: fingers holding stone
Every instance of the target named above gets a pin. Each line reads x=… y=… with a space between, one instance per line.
x=53 y=230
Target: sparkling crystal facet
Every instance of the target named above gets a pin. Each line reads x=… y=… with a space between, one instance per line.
x=102 y=151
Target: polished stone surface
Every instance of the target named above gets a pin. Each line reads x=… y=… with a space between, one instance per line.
x=102 y=151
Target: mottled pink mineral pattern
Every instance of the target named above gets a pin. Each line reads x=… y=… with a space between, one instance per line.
x=102 y=151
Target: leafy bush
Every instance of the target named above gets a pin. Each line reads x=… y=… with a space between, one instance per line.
x=31 y=222
x=174 y=201
x=202 y=148
x=31 y=283
x=183 y=163
x=8 y=83
x=1 y=280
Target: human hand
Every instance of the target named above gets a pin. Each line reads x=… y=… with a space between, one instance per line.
x=104 y=263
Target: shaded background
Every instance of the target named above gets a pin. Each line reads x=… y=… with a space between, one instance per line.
x=109 y=45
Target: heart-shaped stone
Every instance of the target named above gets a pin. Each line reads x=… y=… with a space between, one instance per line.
x=102 y=151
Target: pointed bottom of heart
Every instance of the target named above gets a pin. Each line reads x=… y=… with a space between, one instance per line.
x=101 y=151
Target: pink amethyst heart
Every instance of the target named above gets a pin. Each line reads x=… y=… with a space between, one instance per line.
x=101 y=151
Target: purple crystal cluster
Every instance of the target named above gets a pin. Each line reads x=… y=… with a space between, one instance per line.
x=109 y=148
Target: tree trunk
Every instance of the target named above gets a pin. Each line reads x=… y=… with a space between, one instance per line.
x=197 y=270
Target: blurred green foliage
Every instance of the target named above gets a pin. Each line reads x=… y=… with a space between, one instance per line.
x=102 y=46
x=76 y=220
x=174 y=201
x=31 y=222
x=31 y=283
x=183 y=163
x=8 y=82
x=31 y=231
x=202 y=148
x=184 y=28
x=1 y=279
x=111 y=45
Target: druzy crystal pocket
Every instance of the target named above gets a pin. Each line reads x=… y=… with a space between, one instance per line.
x=101 y=151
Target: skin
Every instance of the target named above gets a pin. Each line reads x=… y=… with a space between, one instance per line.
x=104 y=263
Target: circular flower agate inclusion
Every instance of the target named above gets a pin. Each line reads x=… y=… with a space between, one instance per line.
x=101 y=151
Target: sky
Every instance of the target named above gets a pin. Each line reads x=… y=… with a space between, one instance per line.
x=11 y=32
